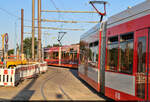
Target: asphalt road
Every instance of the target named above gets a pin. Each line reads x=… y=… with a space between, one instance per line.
x=56 y=84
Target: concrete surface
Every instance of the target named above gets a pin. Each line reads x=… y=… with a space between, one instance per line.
x=56 y=84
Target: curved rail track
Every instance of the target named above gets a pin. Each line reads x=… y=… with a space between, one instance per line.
x=48 y=79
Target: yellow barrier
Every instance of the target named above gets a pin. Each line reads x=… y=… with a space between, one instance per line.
x=14 y=63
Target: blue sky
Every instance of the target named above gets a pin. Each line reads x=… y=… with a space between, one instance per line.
x=9 y=22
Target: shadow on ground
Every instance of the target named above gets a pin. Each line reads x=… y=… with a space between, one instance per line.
x=59 y=96
x=61 y=67
x=26 y=93
x=2 y=99
x=75 y=73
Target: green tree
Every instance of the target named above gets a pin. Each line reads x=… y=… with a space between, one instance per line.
x=48 y=46
x=56 y=45
x=11 y=51
x=27 y=46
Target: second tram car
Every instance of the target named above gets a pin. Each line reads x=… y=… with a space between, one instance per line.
x=65 y=56
x=115 y=55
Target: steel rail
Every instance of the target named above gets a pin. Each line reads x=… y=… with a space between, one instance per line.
x=45 y=81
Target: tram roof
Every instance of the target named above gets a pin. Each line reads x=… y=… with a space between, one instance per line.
x=132 y=13
x=91 y=31
x=63 y=48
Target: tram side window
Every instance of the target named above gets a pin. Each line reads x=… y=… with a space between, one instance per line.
x=112 y=54
x=62 y=54
x=84 y=52
x=55 y=55
x=93 y=54
x=126 y=53
x=50 y=55
x=45 y=55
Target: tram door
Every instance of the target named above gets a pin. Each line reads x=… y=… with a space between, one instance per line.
x=148 y=64
x=142 y=64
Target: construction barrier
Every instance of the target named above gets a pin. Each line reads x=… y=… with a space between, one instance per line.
x=12 y=76
x=43 y=67
x=7 y=77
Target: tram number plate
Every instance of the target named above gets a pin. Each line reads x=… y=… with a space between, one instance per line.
x=117 y=95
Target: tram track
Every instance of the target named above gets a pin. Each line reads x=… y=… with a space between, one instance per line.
x=60 y=87
x=62 y=90
x=42 y=86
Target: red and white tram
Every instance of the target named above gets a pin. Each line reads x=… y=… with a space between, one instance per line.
x=65 y=56
x=115 y=55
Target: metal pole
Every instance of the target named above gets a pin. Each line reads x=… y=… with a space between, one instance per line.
x=3 y=36
x=39 y=30
x=54 y=28
x=22 y=12
x=69 y=11
x=46 y=20
x=33 y=30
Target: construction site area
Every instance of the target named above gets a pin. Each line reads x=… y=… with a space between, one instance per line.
x=76 y=50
